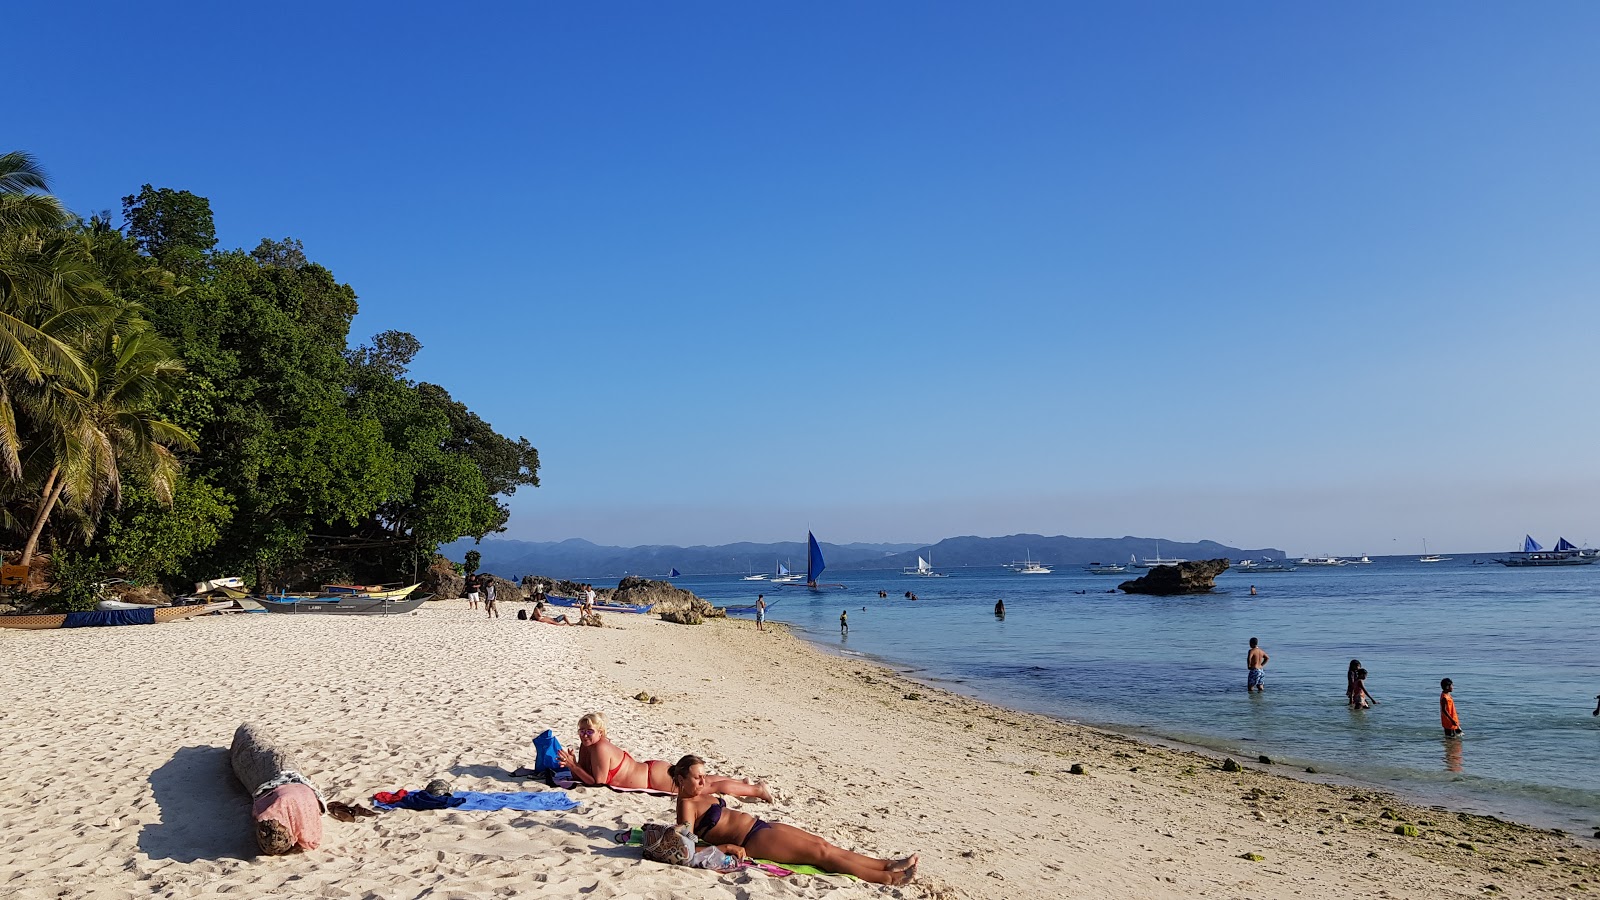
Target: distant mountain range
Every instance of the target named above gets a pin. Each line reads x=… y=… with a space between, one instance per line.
x=580 y=559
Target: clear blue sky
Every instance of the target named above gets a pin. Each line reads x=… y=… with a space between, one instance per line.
x=1317 y=276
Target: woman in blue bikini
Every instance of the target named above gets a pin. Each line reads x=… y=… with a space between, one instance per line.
x=743 y=835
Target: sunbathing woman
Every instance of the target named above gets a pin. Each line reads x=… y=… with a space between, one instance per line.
x=743 y=835
x=598 y=761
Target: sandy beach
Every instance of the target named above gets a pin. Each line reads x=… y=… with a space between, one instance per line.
x=117 y=783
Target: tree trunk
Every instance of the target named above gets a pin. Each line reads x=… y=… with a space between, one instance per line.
x=52 y=492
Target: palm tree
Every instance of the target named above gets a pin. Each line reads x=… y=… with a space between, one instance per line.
x=108 y=421
x=20 y=206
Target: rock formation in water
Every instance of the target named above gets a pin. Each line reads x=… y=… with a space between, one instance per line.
x=1196 y=577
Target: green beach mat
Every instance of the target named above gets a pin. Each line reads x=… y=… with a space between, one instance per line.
x=636 y=839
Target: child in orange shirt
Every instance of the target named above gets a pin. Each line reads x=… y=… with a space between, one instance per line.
x=1447 y=710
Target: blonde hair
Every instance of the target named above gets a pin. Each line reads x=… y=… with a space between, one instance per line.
x=594 y=720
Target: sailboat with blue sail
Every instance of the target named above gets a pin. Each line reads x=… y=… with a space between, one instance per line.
x=1566 y=553
x=674 y=573
x=815 y=565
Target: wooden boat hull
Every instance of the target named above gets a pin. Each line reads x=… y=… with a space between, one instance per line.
x=59 y=620
x=346 y=605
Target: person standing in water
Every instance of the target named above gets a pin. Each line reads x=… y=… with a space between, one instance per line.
x=761 y=612
x=1447 y=709
x=1255 y=663
x=844 y=622
x=1000 y=608
x=1359 y=698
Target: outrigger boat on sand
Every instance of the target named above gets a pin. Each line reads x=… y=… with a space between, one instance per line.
x=144 y=615
x=342 y=604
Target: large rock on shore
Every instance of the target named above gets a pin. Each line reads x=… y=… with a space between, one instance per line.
x=442 y=580
x=671 y=603
x=560 y=587
x=1184 y=578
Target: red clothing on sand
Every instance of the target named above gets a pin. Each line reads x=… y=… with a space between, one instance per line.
x=294 y=805
x=1447 y=713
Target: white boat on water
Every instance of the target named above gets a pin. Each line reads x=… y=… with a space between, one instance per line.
x=1105 y=569
x=1271 y=565
x=1429 y=557
x=1363 y=561
x=785 y=576
x=923 y=569
x=1029 y=567
x=1157 y=561
x=761 y=577
x=1323 y=561
x=1245 y=565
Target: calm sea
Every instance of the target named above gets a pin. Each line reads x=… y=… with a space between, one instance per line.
x=1519 y=644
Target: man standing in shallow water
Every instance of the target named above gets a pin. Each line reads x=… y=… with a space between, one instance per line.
x=1255 y=661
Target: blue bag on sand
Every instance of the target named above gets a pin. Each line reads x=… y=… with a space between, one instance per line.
x=546 y=752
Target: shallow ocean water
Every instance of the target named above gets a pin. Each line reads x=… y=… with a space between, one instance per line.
x=1519 y=644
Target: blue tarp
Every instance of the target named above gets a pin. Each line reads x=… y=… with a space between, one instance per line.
x=146 y=616
x=532 y=801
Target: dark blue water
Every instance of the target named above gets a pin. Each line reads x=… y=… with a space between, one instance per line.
x=1519 y=645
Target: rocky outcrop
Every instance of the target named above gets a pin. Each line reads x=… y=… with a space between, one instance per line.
x=560 y=587
x=671 y=603
x=442 y=580
x=1184 y=578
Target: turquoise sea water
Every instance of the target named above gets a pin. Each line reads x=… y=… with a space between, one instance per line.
x=1519 y=644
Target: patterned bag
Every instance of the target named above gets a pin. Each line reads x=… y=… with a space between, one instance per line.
x=665 y=844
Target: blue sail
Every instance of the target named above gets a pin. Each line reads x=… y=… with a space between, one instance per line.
x=673 y=574
x=1563 y=545
x=1529 y=545
x=814 y=563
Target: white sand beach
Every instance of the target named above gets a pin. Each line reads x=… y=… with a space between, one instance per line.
x=117 y=785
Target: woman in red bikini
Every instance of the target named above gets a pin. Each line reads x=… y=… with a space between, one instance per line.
x=743 y=835
x=598 y=761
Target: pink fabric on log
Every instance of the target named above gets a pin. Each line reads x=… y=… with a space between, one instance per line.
x=294 y=805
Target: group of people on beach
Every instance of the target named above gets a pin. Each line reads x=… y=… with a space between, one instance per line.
x=1355 y=688
x=480 y=588
x=700 y=807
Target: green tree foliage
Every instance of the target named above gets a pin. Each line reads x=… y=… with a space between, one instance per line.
x=174 y=227
x=295 y=456
x=471 y=562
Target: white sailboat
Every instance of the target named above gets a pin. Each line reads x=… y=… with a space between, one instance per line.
x=924 y=569
x=1429 y=557
x=784 y=576
x=1153 y=562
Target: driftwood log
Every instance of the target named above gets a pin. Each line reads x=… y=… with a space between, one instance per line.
x=288 y=814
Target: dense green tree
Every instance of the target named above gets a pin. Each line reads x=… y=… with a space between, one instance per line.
x=174 y=227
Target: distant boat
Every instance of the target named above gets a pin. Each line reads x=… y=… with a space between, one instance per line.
x=923 y=569
x=1565 y=553
x=815 y=565
x=784 y=576
x=1245 y=564
x=1323 y=561
x=1029 y=567
x=1271 y=566
x=674 y=573
x=1105 y=569
x=1363 y=561
x=1428 y=557
x=1157 y=561
x=761 y=577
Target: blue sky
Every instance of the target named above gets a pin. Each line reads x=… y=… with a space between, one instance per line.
x=1319 y=277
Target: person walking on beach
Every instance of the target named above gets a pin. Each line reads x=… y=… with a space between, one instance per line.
x=472 y=591
x=588 y=599
x=761 y=612
x=1447 y=709
x=844 y=622
x=1255 y=662
x=488 y=598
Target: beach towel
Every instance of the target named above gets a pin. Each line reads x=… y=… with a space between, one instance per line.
x=527 y=801
x=635 y=837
